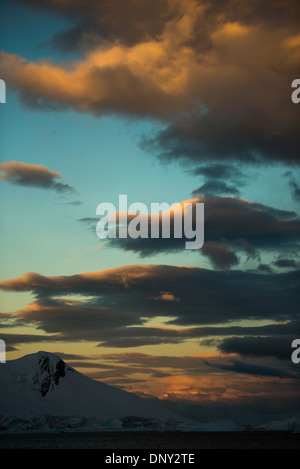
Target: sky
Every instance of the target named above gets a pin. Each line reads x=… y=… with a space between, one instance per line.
x=170 y=101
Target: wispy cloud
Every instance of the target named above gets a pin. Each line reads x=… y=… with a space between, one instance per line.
x=32 y=175
x=294 y=184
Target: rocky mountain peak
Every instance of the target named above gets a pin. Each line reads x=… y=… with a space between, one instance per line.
x=51 y=370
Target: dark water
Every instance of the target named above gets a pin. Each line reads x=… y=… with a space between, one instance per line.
x=152 y=440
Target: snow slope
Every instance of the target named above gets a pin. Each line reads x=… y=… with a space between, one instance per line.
x=42 y=384
x=40 y=392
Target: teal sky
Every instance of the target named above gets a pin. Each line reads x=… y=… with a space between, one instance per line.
x=100 y=158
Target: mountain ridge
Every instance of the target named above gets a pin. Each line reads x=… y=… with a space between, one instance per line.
x=42 y=384
x=40 y=392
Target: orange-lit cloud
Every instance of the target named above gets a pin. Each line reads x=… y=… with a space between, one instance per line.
x=190 y=380
x=233 y=227
x=202 y=71
x=166 y=296
x=116 y=305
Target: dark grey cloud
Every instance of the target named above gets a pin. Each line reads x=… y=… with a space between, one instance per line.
x=194 y=140
x=295 y=190
x=232 y=227
x=90 y=223
x=115 y=299
x=112 y=307
x=32 y=175
x=97 y=21
x=216 y=188
x=286 y=263
x=13 y=340
x=114 y=336
x=73 y=202
x=221 y=256
x=220 y=179
x=265 y=268
x=255 y=369
x=293 y=184
x=278 y=346
x=219 y=171
x=79 y=37
x=147 y=19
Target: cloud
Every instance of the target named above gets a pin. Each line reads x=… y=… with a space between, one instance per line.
x=221 y=256
x=219 y=171
x=90 y=223
x=117 y=303
x=112 y=308
x=117 y=80
x=295 y=190
x=16 y=339
x=98 y=20
x=278 y=346
x=215 y=188
x=231 y=226
x=135 y=336
x=31 y=175
x=188 y=364
x=211 y=76
x=254 y=369
x=294 y=185
x=166 y=296
x=219 y=179
x=286 y=263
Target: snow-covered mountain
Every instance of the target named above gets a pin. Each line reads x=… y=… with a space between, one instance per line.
x=40 y=392
x=42 y=385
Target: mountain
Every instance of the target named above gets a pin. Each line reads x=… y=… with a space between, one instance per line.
x=41 y=393
x=40 y=388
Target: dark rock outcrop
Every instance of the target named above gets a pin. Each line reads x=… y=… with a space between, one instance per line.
x=50 y=373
